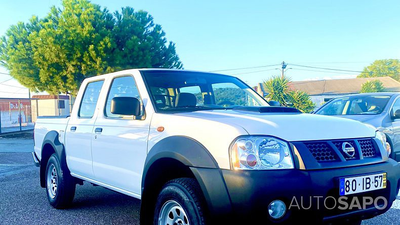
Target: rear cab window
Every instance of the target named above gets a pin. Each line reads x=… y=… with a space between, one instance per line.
x=90 y=98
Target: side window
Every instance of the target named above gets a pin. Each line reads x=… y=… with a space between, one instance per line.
x=336 y=107
x=61 y=104
x=396 y=105
x=89 y=99
x=121 y=87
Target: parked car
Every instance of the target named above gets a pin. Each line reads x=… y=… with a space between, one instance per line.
x=202 y=148
x=381 y=110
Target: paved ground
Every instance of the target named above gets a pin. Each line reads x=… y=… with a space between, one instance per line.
x=23 y=201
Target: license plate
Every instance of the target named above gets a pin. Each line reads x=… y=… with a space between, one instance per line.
x=354 y=185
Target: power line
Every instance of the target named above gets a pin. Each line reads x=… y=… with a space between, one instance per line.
x=258 y=71
x=290 y=64
x=5 y=74
x=333 y=62
x=319 y=71
x=7 y=92
x=6 y=80
x=325 y=68
x=245 y=68
x=12 y=86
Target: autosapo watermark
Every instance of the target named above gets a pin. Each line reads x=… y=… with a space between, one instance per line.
x=341 y=203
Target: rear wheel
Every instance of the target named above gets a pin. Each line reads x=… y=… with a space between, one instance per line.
x=180 y=202
x=60 y=186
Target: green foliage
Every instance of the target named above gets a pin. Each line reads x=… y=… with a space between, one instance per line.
x=383 y=68
x=234 y=95
x=278 y=90
x=300 y=100
x=372 y=86
x=81 y=40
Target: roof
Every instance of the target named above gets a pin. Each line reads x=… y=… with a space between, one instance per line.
x=133 y=71
x=62 y=97
x=341 y=86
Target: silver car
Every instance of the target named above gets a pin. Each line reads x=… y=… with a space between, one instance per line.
x=381 y=110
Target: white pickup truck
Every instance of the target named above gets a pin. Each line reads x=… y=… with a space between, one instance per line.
x=201 y=148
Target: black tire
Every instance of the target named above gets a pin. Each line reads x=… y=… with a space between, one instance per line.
x=352 y=222
x=187 y=194
x=60 y=186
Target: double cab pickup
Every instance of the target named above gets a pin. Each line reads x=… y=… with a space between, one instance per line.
x=204 y=148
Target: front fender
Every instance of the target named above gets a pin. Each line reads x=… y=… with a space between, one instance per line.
x=203 y=166
x=184 y=149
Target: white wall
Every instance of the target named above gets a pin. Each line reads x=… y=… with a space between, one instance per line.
x=49 y=107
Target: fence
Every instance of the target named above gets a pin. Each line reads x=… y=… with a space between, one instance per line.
x=15 y=115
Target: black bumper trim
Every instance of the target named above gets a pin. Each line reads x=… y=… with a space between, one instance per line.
x=251 y=192
x=36 y=161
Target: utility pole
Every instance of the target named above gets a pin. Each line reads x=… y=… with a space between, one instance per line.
x=284 y=65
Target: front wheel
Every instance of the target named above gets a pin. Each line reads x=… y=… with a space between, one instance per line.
x=353 y=222
x=60 y=186
x=180 y=202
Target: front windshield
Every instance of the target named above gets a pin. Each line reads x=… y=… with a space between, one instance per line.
x=359 y=105
x=183 y=91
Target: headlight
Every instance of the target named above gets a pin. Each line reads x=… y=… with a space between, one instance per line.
x=382 y=137
x=260 y=153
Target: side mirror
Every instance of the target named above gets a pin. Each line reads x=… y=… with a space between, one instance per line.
x=128 y=106
x=274 y=103
x=396 y=114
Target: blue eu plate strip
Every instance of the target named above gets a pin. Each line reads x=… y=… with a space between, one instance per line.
x=341 y=186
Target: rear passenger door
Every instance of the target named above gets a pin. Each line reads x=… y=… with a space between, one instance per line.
x=119 y=144
x=79 y=132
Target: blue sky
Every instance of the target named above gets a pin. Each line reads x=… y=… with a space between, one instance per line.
x=218 y=35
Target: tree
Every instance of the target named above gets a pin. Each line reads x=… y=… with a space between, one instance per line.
x=372 y=86
x=81 y=40
x=278 y=90
x=300 y=100
x=383 y=68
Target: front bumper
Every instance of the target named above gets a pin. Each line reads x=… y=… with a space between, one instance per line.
x=250 y=192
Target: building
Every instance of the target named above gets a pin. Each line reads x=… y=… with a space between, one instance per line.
x=321 y=91
x=15 y=112
x=50 y=105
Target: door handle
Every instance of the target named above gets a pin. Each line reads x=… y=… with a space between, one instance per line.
x=73 y=128
x=98 y=130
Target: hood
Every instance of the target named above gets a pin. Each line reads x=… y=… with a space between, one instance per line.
x=361 y=118
x=288 y=126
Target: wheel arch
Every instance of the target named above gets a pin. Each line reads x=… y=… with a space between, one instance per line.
x=176 y=157
x=51 y=145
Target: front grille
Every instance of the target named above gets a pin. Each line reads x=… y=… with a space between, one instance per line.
x=339 y=144
x=331 y=151
x=367 y=148
x=321 y=151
